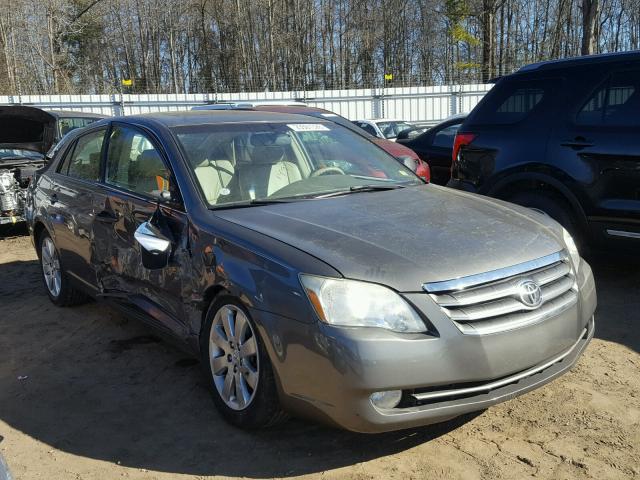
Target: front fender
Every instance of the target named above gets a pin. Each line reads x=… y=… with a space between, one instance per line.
x=258 y=270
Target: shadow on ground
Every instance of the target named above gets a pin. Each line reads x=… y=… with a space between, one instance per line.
x=13 y=230
x=89 y=382
x=618 y=286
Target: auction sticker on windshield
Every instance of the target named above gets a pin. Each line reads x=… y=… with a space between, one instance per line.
x=307 y=127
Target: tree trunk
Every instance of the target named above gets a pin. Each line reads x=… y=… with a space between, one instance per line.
x=488 y=39
x=589 y=32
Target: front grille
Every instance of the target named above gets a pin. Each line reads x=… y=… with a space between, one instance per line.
x=492 y=302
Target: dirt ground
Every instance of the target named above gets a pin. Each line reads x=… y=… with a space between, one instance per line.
x=88 y=394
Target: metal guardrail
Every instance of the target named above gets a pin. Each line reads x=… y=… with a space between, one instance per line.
x=427 y=105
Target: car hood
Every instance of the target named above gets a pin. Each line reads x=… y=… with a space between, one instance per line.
x=26 y=128
x=404 y=238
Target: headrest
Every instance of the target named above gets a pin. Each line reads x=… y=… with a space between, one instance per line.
x=264 y=139
x=267 y=154
x=149 y=161
x=150 y=157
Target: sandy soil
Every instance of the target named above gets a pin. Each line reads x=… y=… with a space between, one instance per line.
x=88 y=394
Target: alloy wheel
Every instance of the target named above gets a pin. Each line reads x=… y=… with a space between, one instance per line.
x=233 y=355
x=51 y=267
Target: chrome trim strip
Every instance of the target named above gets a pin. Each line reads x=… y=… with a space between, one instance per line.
x=506 y=323
x=507 y=305
x=493 y=275
x=623 y=233
x=508 y=288
x=504 y=381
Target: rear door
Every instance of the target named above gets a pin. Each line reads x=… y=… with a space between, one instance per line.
x=136 y=173
x=71 y=206
x=600 y=146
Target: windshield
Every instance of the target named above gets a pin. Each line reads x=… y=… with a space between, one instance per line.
x=392 y=129
x=17 y=153
x=251 y=162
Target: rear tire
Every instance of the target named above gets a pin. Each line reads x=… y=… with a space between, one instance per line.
x=239 y=374
x=56 y=281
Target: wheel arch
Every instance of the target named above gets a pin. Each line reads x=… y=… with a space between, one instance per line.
x=38 y=229
x=210 y=295
x=536 y=182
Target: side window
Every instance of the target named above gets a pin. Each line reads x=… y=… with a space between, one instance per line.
x=514 y=100
x=368 y=128
x=445 y=137
x=83 y=160
x=616 y=103
x=592 y=112
x=133 y=163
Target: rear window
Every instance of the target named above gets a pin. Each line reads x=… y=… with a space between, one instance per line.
x=445 y=137
x=68 y=124
x=512 y=101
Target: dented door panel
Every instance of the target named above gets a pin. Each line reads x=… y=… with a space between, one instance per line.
x=120 y=273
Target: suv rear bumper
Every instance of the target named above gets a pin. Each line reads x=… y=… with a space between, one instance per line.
x=462 y=185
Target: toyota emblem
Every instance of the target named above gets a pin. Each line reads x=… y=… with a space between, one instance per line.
x=530 y=294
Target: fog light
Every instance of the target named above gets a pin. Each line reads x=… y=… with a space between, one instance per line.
x=389 y=399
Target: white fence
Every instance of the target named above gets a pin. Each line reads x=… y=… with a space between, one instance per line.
x=426 y=105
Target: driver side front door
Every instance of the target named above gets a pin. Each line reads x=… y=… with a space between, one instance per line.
x=137 y=185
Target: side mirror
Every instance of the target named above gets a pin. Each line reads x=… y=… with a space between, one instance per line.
x=154 y=246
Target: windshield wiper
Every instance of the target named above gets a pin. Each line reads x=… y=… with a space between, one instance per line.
x=269 y=201
x=363 y=188
x=257 y=202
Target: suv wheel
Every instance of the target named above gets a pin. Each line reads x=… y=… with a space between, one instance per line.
x=238 y=370
x=55 y=280
x=552 y=205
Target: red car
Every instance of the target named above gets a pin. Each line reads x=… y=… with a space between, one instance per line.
x=407 y=156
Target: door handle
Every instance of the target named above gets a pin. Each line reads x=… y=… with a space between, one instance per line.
x=577 y=143
x=107 y=217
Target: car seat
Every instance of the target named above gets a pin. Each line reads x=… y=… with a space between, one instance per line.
x=270 y=169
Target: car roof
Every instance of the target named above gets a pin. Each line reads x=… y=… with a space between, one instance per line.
x=248 y=104
x=378 y=120
x=304 y=109
x=205 y=117
x=578 y=61
x=70 y=113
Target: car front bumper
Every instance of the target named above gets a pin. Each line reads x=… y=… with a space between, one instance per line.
x=329 y=373
x=12 y=219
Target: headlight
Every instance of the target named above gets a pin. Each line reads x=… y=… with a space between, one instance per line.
x=572 y=249
x=351 y=303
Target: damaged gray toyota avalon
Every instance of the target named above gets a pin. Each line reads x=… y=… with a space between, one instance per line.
x=310 y=271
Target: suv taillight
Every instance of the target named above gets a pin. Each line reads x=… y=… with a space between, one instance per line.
x=424 y=171
x=462 y=140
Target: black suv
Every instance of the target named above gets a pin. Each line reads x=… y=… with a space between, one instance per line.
x=562 y=137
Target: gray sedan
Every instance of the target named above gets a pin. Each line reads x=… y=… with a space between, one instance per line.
x=309 y=270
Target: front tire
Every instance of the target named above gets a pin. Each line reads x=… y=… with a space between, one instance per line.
x=55 y=280
x=238 y=370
